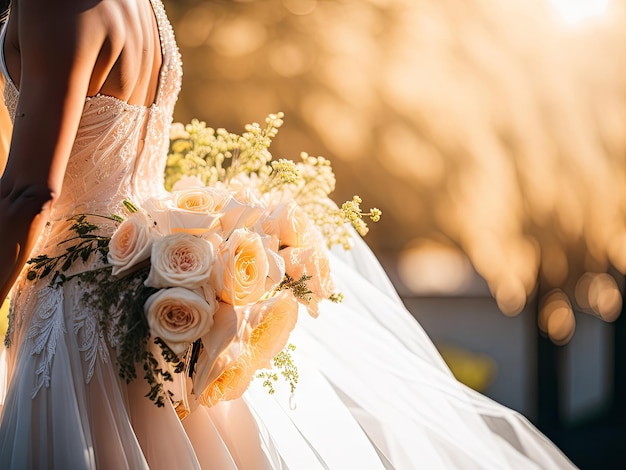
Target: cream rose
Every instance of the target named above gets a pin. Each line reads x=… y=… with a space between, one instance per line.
x=131 y=243
x=195 y=210
x=247 y=267
x=180 y=260
x=179 y=317
x=238 y=214
x=288 y=222
x=195 y=199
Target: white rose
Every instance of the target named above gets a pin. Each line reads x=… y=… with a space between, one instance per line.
x=131 y=243
x=180 y=260
x=195 y=210
x=179 y=317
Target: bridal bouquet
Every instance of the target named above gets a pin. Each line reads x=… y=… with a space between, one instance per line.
x=206 y=279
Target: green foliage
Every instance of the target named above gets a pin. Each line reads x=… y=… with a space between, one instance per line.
x=119 y=301
x=85 y=243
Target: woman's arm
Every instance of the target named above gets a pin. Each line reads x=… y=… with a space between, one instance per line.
x=59 y=44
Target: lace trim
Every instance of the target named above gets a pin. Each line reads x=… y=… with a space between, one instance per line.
x=46 y=329
x=89 y=335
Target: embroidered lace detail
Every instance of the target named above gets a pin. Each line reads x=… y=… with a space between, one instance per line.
x=119 y=152
x=46 y=329
x=89 y=334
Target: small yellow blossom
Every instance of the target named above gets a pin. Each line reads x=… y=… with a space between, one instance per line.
x=216 y=155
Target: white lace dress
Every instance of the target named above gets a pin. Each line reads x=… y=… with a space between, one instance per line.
x=373 y=391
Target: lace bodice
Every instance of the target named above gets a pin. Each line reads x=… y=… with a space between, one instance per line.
x=119 y=152
x=120 y=149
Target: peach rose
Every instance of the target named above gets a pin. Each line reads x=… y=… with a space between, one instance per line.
x=180 y=260
x=230 y=384
x=276 y=318
x=131 y=243
x=313 y=262
x=288 y=222
x=247 y=267
x=273 y=320
x=179 y=317
x=214 y=356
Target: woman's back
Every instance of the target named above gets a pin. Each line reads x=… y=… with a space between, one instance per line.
x=118 y=151
x=125 y=34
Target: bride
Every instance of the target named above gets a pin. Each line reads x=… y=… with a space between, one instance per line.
x=91 y=86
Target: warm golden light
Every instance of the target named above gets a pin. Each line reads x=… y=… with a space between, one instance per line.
x=577 y=11
x=486 y=122
x=599 y=294
x=428 y=267
x=556 y=317
x=605 y=298
x=300 y=7
x=238 y=37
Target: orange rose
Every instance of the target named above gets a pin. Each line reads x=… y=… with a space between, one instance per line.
x=215 y=354
x=272 y=321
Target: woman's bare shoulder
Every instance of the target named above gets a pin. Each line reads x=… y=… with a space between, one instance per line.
x=78 y=34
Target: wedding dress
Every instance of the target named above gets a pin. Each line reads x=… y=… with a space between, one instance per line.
x=373 y=391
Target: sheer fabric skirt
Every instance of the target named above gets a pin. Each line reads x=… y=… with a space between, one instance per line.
x=373 y=393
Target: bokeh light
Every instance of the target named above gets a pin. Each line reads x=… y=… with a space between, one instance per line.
x=575 y=12
x=492 y=124
x=429 y=267
x=556 y=316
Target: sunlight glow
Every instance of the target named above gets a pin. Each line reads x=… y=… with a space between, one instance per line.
x=576 y=11
x=428 y=267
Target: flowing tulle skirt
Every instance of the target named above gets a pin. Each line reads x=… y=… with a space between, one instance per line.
x=373 y=393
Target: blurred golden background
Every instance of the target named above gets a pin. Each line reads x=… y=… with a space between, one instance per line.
x=491 y=134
